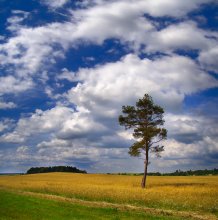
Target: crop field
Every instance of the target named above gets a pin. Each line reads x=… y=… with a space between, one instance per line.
x=192 y=197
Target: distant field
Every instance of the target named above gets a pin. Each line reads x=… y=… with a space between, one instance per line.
x=179 y=195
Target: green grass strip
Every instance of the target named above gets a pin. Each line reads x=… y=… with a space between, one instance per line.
x=25 y=207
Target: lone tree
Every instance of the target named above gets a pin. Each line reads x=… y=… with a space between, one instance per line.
x=147 y=120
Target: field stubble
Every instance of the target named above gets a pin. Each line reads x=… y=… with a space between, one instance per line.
x=191 y=193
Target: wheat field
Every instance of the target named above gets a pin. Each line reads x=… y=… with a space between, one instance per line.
x=193 y=193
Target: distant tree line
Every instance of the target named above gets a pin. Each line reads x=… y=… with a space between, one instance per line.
x=176 y=173
x=192 y=173
x=69 y=169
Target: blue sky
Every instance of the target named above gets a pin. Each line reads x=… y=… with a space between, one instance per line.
x=67 y=67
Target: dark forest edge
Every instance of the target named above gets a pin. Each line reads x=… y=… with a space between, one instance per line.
x=176 y=173
x=68 y=169
x=76 y=170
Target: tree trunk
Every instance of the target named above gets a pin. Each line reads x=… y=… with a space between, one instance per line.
x=145 y=174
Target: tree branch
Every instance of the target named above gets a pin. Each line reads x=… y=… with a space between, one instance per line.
x=156 y=141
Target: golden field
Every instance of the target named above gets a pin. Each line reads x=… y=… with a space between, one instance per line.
x=193 y=193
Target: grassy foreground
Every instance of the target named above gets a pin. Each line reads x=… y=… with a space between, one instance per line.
x=189 y=194
x=24 y=207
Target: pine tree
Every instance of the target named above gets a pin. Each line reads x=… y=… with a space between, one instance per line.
x=147 y=120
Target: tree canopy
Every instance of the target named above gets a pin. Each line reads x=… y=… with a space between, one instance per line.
x=70 y=169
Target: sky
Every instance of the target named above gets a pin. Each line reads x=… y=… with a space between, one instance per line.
x=68 y=66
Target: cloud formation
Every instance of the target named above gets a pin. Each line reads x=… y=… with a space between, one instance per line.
x=30 y=47
x=54 y=3
x=166 y=53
